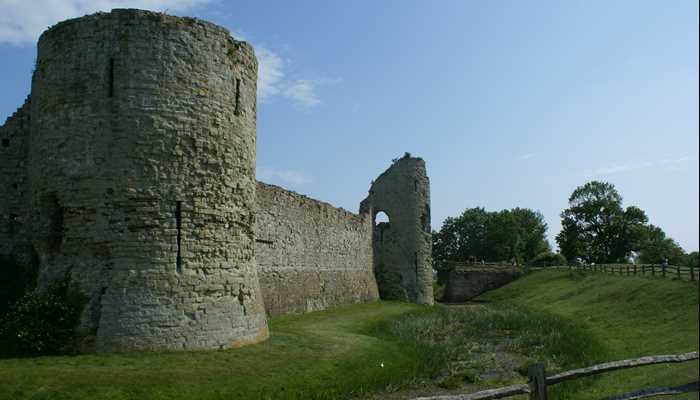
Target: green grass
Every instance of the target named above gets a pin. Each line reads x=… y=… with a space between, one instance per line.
x=566 y=320
x=630 y=316
x=504 y=337
x=324 y=355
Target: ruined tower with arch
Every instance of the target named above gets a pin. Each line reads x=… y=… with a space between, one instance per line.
x=131 y=169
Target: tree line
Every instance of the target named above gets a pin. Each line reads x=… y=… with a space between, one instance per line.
x=596 y=228
x=516 y=235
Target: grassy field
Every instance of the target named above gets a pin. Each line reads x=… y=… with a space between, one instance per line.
x=630 y=316
x=323 y=355
x=565 y=319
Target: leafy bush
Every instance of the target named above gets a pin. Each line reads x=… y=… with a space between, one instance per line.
x=438 y=290
x=42 y=322
x=15 y=282
x=548 y=259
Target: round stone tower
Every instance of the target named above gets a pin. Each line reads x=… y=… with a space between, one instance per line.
x=141 y=177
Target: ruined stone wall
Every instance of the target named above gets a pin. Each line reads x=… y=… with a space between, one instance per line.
x=141 y=166
x=403 y=246
x=132 y=170
x=14 y=236
x=311 y=255
x=466 y=282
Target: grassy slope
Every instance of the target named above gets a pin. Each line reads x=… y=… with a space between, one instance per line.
x=337 y=353
x=632 y=316
x=318 y=355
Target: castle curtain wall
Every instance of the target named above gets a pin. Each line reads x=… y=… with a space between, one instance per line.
x=311 y=255
x=131 y=169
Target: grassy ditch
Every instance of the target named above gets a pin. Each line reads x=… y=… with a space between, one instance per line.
x=487 y=346
x=630 y=316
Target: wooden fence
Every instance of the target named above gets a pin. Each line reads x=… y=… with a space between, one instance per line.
x=538 y=380
x=664 y=271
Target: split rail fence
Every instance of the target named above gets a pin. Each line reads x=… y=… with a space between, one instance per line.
x=654 y=270
x=538 y=381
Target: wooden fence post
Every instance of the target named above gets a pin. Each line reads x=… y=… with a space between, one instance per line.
x=537 y=381
x=663 y=271
x=692 y=273
x=653 y=272
x=628 y=270
x=678 y=272
x=635 y=270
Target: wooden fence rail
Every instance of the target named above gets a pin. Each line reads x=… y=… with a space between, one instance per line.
x=538 y=381
x=655 y=270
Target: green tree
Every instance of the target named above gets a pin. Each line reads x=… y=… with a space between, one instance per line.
x=533 y=231
x=547 y=259
x=518 y=234
x=656 y=248
x=596 y=228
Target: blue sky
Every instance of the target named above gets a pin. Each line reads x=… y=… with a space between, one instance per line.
x=511 y=103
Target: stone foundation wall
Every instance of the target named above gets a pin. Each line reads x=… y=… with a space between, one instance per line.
x=311 y=255
x=466 y=282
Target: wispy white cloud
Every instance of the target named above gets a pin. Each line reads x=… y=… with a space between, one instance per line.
x=273 y=81
x=674 y=164
x=303 y=92
x=22 y=21
x=674 y=161
x=620 y=167
x=270 y=73
x=285 y=176
x=527 y=156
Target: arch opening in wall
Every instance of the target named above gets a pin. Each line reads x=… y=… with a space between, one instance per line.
x=380 y=217
x=381 y=223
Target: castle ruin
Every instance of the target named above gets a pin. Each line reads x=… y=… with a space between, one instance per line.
x=131 y=166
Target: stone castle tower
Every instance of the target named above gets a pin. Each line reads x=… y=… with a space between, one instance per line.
x=403 y=246
x=141 y=170
x=132 y=169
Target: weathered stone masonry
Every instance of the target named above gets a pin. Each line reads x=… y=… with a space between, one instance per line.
x=132 y=167
x=466 y=281
x=403 y=246
x=311 y=255
x=14 y=238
